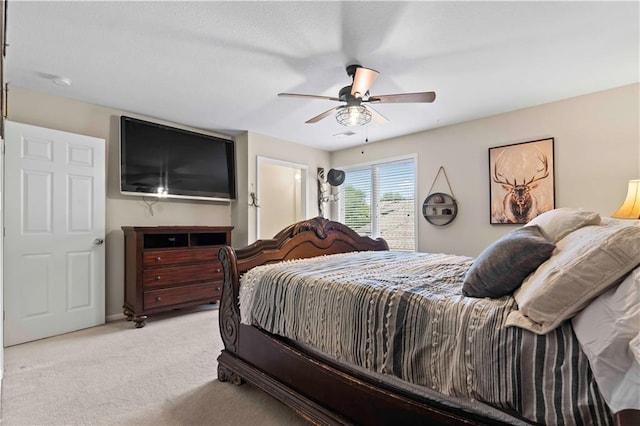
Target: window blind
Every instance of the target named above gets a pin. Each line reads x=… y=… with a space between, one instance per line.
x=378 y=200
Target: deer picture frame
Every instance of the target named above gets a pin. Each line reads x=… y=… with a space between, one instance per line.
x=521 y=181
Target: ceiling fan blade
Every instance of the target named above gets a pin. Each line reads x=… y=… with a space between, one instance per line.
x=403 y=98
x=298 y=95
x=362 y=81
x=377 y=117
x=321 y=116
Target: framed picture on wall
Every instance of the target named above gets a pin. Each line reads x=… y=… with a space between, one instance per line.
x=521 y=181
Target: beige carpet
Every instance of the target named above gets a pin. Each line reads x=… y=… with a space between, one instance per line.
x=162 y=374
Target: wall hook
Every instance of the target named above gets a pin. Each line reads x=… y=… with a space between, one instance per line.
x=253 y=200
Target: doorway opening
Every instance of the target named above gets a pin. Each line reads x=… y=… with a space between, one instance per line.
x=282 y=194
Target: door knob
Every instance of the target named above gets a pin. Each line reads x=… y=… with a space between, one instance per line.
x=98 y=241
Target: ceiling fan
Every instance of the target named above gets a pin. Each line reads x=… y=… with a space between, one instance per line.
x=356 y=110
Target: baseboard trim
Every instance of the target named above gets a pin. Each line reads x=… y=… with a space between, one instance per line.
x=114 y=317
x=207 y=306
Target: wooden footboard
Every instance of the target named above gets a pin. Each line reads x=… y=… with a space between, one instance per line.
x=309 y=238
x=322 y=392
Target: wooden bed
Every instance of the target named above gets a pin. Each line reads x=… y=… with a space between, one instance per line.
x=320 y=390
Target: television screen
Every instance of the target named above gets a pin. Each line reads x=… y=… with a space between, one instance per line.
x=165 y=161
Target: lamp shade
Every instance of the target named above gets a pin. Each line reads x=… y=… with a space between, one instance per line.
x=630 y=209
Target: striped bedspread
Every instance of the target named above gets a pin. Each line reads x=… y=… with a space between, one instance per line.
x=403 y=314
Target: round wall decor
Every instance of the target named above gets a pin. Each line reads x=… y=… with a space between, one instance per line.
x=439 y=208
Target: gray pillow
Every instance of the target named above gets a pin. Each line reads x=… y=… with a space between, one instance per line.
x=501 y=267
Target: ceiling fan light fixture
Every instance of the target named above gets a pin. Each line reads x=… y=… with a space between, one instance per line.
x=353 y=116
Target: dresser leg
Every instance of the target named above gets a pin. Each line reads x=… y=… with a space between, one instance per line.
x=127 y=312
x=139 y=320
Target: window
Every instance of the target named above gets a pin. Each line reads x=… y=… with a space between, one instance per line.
x=391 y=215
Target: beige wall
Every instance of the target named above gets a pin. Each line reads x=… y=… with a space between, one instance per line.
x=597 y=150
x=38 y=109
x=240 y=209
x=266 y=146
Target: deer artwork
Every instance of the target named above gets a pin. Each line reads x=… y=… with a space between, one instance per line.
x=520 y=204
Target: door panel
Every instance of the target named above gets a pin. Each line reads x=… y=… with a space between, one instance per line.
x=36 y=202
x=55 y=201
x=79 y=273
x=34 y=295
x=80 y=204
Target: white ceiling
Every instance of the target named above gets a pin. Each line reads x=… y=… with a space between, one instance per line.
x=219 y=65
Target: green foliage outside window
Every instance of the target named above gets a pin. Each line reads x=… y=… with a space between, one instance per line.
x=392 y=196
x=357 y=211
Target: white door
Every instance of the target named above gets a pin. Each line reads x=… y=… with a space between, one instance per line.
x=54 y=232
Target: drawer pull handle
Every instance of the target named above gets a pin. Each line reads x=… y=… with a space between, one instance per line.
x=217 y=288
x=218 y=270
x=158 y=278
x=158 y=298
x=158 y=259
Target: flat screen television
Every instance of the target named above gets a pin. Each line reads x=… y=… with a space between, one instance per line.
x=162 y=161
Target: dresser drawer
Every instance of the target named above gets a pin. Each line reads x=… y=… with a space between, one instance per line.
x=160 y=277
x=183 y=294
x=160 y=258
x=217 y=290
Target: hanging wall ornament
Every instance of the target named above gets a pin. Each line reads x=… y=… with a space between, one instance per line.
x=440 y=208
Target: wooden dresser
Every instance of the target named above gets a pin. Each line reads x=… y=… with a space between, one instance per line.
x=171 y=267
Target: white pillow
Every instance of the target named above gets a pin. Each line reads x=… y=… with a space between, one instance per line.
x=606 y=329
x=611 y=221
x=586 y=263
x=558 y=223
